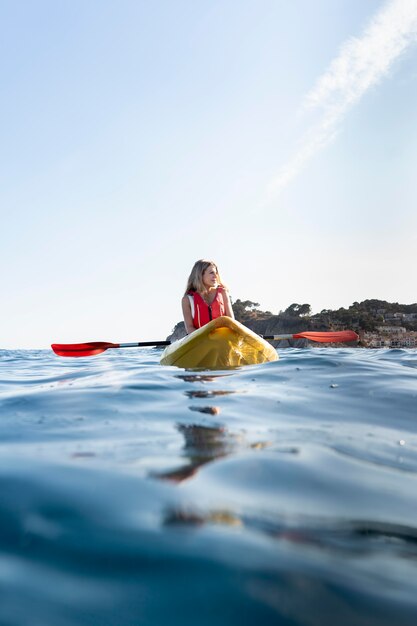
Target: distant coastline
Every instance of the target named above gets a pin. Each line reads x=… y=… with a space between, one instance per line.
x=379 y=324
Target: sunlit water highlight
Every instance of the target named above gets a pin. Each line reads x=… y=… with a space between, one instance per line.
x=283 y=493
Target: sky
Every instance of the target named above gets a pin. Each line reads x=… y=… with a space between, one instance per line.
x=277 y=138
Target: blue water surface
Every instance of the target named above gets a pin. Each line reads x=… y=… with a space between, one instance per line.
x=284 y=493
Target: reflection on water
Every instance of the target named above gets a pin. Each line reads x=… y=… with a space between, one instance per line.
x=210 y=410
x=202 y=444
x=192 y=518
x=205 y=444
x=204 y=378
x=359 y=539
x=200 y=378
x=202 y=393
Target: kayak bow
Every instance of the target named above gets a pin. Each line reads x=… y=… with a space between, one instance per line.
x=221 y=343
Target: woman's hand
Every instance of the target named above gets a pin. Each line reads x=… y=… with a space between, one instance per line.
x=228 y=310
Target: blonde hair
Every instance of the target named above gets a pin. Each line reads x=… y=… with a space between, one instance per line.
x=195 y=279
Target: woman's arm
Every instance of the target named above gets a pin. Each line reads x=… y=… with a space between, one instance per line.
x=227 y=304
x=188 y=319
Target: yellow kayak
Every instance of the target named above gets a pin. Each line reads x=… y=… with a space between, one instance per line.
x=221 y=343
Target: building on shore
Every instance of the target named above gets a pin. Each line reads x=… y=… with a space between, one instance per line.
x=391 y=337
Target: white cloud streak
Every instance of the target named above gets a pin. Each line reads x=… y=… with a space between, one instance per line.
x=361 y=64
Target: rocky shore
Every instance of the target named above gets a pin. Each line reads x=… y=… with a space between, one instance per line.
x=378 y=322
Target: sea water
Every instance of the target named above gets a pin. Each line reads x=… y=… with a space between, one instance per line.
x=284 y=493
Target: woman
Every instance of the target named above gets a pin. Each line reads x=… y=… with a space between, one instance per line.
x=205 y=297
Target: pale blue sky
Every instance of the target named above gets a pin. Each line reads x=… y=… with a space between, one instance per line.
x=137 y=137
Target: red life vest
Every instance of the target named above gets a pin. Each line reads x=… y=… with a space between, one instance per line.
x=202 y=312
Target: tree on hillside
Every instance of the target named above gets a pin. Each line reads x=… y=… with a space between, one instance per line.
x=245 y=310
x=298 y=310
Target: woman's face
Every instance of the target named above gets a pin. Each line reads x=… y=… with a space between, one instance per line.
x=210 y=277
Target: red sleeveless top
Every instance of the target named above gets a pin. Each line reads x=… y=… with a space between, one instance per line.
x=203 y=313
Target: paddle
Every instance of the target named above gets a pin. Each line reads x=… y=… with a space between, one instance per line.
x=328 y=336
x=97 y=347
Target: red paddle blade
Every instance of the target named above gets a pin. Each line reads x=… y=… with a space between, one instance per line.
x=339 y=336
x=82 y=349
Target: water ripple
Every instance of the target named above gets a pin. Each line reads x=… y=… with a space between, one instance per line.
x=276 y=494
